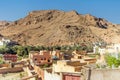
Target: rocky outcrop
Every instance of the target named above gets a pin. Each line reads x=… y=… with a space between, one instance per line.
x=4 y=23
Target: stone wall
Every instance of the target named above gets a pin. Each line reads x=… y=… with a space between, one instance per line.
x=102 y=74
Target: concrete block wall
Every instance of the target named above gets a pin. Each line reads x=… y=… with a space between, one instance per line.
x=101 y=74
x=105 y=74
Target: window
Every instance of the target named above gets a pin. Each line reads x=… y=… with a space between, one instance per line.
x=35 y=59
x=48 y=60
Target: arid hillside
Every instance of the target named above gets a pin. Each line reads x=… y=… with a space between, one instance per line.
x=3 y=24
x=54 y=27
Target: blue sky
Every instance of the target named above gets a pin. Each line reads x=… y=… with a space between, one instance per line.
x=15 y=9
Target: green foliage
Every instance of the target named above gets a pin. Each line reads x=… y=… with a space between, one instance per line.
x=112 y=61
x=22 y=51
x=78 y=47
x=97 y=65
x=45 y=65
x=89 y=48
x=20 y=58
x=1 y=60
x=21 y=75
x=7 y=49
x=19 y=50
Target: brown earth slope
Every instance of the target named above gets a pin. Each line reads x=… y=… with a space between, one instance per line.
x=54 y=27
x=3 y=24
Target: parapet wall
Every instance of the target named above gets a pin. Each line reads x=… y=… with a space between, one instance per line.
x=4 y=65
x=11 y=70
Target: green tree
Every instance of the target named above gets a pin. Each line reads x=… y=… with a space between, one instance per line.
x=22 y=51
x=112 y=61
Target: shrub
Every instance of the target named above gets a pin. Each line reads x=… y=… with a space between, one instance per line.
x=111 y=60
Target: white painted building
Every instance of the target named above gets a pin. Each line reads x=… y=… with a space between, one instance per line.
x=51 y=76
x=4 y=41
x=113 y=48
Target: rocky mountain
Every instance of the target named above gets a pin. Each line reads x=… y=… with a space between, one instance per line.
x=4 y=23
x=54 y=27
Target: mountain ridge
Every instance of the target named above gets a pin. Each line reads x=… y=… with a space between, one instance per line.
x=54 y=27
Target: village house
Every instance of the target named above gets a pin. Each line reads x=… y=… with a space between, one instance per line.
x=4 y=41
x=112 y=48
x=40 y=58
x=82 y=57
x=10 y=57
x=67 y=55
x=78 y=54
x=69 y=69
x=56 y=55
x=62 y=70
x=67 y=66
